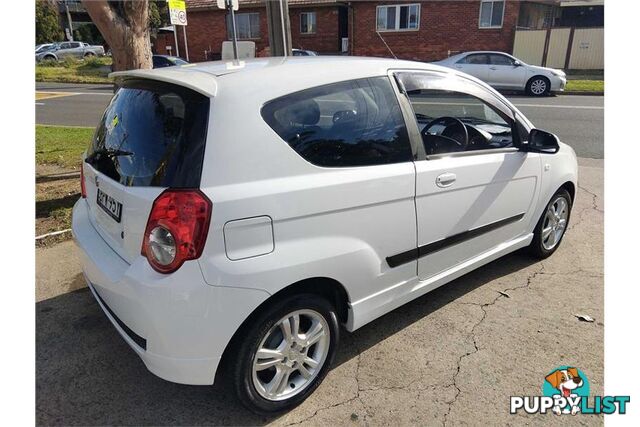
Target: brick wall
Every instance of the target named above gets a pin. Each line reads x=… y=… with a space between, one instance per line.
x=445 y=27
x=326 y=39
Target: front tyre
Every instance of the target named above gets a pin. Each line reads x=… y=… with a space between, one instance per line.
x=538 y=86
x=286 y=353
x=552 y=225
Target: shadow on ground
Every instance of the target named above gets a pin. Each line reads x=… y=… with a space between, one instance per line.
x=87 y=375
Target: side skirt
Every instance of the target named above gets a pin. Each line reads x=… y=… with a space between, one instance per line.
x=373 y=306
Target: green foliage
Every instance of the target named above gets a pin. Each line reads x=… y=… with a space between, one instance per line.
x=158 y=14
x=88 y=33
x=47 y=26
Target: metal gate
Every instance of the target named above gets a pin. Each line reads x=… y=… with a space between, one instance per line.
x=568 y=48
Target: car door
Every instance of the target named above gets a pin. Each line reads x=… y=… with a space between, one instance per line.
x=475 y=64
x=64 y=51
x=473 y=200
x=504 y=73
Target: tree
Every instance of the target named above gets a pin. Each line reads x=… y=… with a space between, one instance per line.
x=47 y=26
x=125 y=27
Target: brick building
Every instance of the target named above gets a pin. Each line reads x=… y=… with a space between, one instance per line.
x=423 y=30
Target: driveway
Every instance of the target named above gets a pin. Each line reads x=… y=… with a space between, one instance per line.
x=453 y=356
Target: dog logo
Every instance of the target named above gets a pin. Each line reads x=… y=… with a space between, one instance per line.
x=569 y=383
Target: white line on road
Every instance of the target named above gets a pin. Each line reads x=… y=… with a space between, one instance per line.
x=579 y=107
x=39 y=103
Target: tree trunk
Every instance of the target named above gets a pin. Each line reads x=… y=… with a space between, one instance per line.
x=125 y=27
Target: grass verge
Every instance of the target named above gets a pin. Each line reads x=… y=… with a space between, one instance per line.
x=58 y=155
x=585 y=86
x=91 y=70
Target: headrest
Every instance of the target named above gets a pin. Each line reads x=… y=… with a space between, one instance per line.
x=306 y=112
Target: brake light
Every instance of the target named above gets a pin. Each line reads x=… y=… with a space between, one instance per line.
x=177 y=229
x=83 y=190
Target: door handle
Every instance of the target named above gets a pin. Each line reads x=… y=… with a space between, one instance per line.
x=492 y=68
x=445 y=180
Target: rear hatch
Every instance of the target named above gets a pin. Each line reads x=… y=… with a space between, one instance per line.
x=151 y=137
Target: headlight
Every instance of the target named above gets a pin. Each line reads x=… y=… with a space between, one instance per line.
x=558 y=73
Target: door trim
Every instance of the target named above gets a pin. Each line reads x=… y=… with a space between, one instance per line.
x=429 y=248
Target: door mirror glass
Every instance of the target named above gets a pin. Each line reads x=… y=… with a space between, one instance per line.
x=541 y=141
x=517 y=63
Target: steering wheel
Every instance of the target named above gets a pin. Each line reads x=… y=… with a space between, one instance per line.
x=443 y=143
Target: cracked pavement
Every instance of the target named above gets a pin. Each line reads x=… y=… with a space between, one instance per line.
x=451 y=357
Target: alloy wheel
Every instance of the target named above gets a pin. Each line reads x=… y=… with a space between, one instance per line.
x=291 y=355
x=538 y=87
x=555 y=222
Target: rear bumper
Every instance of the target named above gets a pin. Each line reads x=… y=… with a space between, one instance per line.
x=176 y=323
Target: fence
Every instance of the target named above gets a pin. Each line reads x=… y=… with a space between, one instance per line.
x=567 y=48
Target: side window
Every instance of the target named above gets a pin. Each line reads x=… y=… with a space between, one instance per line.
x=500 y=60
x=452 y=121
x=353 y=123
x=64 y=45
x=75 y=45
x=477 y=59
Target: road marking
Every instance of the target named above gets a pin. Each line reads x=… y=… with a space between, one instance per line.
x=39 y=103
x=49 y=95
x=578 y=107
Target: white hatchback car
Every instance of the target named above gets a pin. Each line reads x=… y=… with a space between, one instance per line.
x=503 y=71
x=234 y=216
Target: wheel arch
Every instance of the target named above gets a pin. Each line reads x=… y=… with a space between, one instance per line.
x=326 y=287
x=571 y=188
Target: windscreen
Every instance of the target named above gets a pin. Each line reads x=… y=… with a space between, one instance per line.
x=152 y=134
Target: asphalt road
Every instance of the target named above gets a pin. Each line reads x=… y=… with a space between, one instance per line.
x=451 y=357
x=577 y=120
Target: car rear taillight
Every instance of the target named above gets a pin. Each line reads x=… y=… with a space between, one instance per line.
x=83 y=190
x=177 y=229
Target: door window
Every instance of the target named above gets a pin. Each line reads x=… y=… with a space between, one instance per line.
x=451 y=121
x=475 y=59
x=353 y=123
x=500 y=60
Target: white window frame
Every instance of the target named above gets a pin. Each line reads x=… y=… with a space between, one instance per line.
x=397 y=23
x=315 y=21
x=504 y=6
x=241 y=14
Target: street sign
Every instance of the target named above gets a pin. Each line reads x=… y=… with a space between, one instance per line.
x=177 y=12
x=222 y=4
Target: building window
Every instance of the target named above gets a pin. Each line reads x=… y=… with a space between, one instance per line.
x=307 y=22
x=398 y=18
x=247 y=26
x=491 y=13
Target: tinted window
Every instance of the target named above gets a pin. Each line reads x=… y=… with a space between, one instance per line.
x=485 y=126
x=152 y=134
x=354 y=123
x=477 y=59
x=501 y=60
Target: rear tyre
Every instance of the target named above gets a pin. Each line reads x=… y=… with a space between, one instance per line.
x=538 y=86
x=285 y=354
x=552 y=225
x=89 y=55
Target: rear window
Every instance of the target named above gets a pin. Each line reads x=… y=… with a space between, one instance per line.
x=352 y=123
x=152 y=135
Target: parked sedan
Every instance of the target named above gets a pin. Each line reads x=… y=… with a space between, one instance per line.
x=233 y=217
x=503 y=71
x=161 y=61
x=63 y=50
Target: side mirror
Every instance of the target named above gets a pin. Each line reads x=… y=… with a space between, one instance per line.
x=541 y=141
x=517 y=63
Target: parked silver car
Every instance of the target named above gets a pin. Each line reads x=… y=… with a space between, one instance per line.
x=58 y=51
x=503 y=71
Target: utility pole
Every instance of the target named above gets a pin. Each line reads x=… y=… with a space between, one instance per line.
x=66 y=8
x=279 y=28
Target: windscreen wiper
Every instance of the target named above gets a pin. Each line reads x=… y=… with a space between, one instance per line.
x=109 y=152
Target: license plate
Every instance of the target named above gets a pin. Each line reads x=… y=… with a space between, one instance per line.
x=110 y=205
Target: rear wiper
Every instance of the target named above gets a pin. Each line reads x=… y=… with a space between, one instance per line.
x=109 y=152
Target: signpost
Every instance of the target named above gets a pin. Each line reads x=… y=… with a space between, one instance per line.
x=231 y=6
x=178 y=16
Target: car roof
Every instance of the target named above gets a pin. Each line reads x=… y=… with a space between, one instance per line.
x=301 y=71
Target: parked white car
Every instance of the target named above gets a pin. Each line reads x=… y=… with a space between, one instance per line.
x=234 y=216
x=503 y=71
